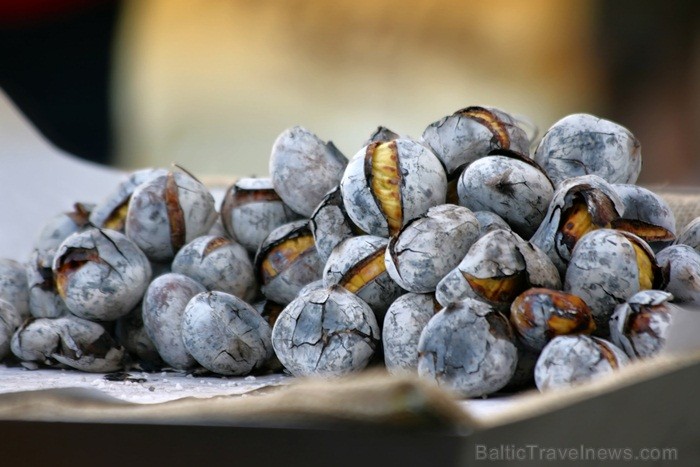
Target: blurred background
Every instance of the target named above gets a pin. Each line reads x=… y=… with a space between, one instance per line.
x=209 y=84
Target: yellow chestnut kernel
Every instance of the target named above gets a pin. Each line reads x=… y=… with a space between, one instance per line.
x=644 y=264
x=284 y=254
x=386 y=178
x=364 y=272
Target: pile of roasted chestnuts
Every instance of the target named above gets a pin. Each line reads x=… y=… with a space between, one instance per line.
x=462 y=256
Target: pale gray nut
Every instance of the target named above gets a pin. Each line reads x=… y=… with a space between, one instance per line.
x=72 y=341
x=403 y=323
x=680 y=265
x=167 y=212
x=10 y=320
x=330 y=224
x=251 y=209
x=218 y=263
x=311 y=287
x=690 y=235
x=111 y=212
x=468 y=348
x=44 y=300
x=36 y=340
x=303 y=169
x=225 y=334
x=606 y=268
x=329 y=332
x=647 y=215
x=286 y=261
x=498 y=267
x=100 y=274
x=582 y=144
x=470 y=133
x=381 y=134
x=510 y=185
x=131 y=333
x=389 y=183
x=578 y=206
x=640 y=325
x=85 y=345
x=13 y=285
x=163 y=307
x=58 y=228
x=357 y=264
x=570 y=360
x=430 y=246
x=489 y=221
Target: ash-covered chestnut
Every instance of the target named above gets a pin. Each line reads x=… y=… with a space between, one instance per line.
x=251 y=209
x=468 y=348
x=131 y=333
x=217 y=263
x=58 y=228
x=498 y=267
x=470 y=133
x=44 y=300
x=389 y=183
x=640 y=325
x=13 y=285
x=690 y=235
x=579 y=205
x=10 y=320
x=286 y=261
x=538 y=315
x=606 y=268
x=489 y=221
x=163 y=307
x=100 y=274
x=570 y=360
x=330 y=224
x=329 y=332
x=646 y=215
x=111 y=212
x=582 y=144
x=680 y=265
x=403 y=323
x=225 y=334
x=72 y=341
x=303 y=169
x=167 y=212
x=510 y=185
x=357 y=264
x=430 y=246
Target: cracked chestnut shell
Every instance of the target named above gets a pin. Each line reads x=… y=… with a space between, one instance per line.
x=218 y=263
x=470 y=133
x=430 y=246
x=510 y=185
x=357 y=264
x=10 y=320
x=646 y=215
x=167 y=212
x=690 y=235
x=330 y=224
x=640 y=325
x=72 y=341
x=389 y=183
x=163 y=307
x=251 y=209
x=286 y=261
x=44 y=300
x=606 y=268
x=298 y=158
x=328 y=332
x=100 y=274
x=468 y=348
x=538 y=315
x=583 y=144
x=111 y=212
x=13 y=285
x=225 y=334
x=680 y=265
x=403 y=323
x=498 y=267
x=570 y=360
x=579 y=205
